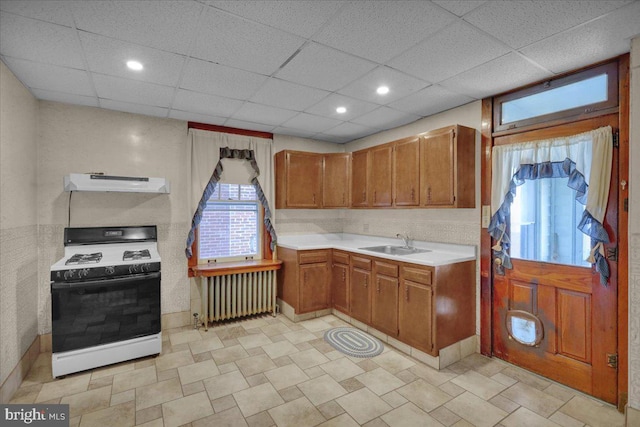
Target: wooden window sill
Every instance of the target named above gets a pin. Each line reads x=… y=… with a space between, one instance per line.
x=236 y=267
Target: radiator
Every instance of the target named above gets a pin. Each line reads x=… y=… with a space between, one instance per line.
x=237 y=295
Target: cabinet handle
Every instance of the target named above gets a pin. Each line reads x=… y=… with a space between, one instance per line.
x=344 y=275
x=365 y=281
x=314 y=198
x=413 y=195
x=364 y=196
x=343 y=197
x=378 y=286
x=406 y=293
x=429 y=194
x=304 y=279
x=375 y=196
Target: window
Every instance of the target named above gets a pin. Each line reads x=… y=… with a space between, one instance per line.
x=590 y=90
x=544 y=219
x=230 y=227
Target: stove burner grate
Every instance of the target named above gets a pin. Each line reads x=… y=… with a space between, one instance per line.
x=133 y=255
x=84 y=258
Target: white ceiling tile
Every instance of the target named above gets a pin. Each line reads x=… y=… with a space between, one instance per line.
x=203 y=103
x=311 y=123
x=324 y=68
x=196 y=117
x=333 y=138
x=453 y=50
x=109 y=56
x=303 y=18
x=203 y=76
x=39 y=41
x=236 y=42
x=430 y=101
x=601 y=39
x=51 y=77
x=400 y=85
x=350 y=131
x=363 y=28
x=385 y=118
x=327 y=107
x=165 y=25
x=301 y=133
x=460 y=7
x=520 y=23
x=127 y=107
x=241 y=124
x=507 y=72
x=288 y=95
x=64 y=97
x=44 y=10
x=251 y=112
x=119 y=89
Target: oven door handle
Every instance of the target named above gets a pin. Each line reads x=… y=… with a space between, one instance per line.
x=105 y=282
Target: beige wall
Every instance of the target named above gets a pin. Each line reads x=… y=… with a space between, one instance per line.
x=76 y=139
x=18 y=221
x=634 y=230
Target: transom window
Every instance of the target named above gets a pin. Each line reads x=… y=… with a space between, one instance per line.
x=230 y=227
x=581 y=93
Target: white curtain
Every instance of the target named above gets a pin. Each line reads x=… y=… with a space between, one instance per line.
x=203 y=156
x=591 y=151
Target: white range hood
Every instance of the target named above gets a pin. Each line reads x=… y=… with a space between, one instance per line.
x=126 y=184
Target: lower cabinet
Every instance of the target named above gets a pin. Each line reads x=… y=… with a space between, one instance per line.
x=415 y=318
x=360 y=295
x=304 y=280
x=314 y=287
x=340 y=281
x=384 y=300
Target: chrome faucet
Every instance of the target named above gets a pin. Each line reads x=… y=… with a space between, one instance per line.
x=405 y=239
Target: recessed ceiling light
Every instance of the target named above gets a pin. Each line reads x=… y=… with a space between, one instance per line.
x=134 y=65
x=382 y=90
x=341 y=110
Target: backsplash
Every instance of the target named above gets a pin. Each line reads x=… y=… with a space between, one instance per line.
x=305 y=221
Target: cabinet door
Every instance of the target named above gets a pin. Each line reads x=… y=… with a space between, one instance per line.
x=314 y=287
x=406 y=172
x=335 y=180
x=359 y=178
x=416 y=315
x=380 y=175
x=340 y=287
x=437 y=169
x=384 y=305
x=360 y=298
x=303 y=180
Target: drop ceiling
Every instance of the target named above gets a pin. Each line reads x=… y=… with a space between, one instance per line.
x=285 y=66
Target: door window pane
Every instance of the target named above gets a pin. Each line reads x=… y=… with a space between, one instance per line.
x=578 y=94
x=544 y=219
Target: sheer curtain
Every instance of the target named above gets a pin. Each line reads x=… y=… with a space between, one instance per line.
x=203 y=157
x=584 y=158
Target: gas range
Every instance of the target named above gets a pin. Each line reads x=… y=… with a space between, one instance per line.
x=109 y=253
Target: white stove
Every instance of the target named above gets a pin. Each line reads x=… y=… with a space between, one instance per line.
x=105 y=298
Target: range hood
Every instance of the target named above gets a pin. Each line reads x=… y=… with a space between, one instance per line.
x=125 y=184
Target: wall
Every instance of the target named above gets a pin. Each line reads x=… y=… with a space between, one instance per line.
x=634 y=231
x=87 y=139
x=18 y=221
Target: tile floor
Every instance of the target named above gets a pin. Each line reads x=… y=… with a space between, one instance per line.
x=270 y=371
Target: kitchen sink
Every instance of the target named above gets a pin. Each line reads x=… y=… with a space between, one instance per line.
x=395 y=250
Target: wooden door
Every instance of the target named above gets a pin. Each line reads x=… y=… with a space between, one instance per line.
x=303 y=180
x=335 y=180
x=360 y=298
x=314 y=287
x=340 y=287
x=384 y=305
x=572 y=317
x=406 y=172
x=359 y=178
x=415 y=315
x=437 y=167
x=380 y=175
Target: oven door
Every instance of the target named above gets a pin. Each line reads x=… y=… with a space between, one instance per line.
x=91 y=313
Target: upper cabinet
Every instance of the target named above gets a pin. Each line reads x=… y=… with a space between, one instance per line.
x=359 y=178
x=435 y=169
x=406 y=172
x=447 y=168
x=380 y=172
x=335 y=180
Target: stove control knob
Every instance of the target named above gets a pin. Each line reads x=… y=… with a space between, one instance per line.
x=83 y=273
x=109 y=270
x=145 y=268
x=133 y=268
x=69 y=274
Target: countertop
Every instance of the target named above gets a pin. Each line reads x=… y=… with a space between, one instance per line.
x=441 y=253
